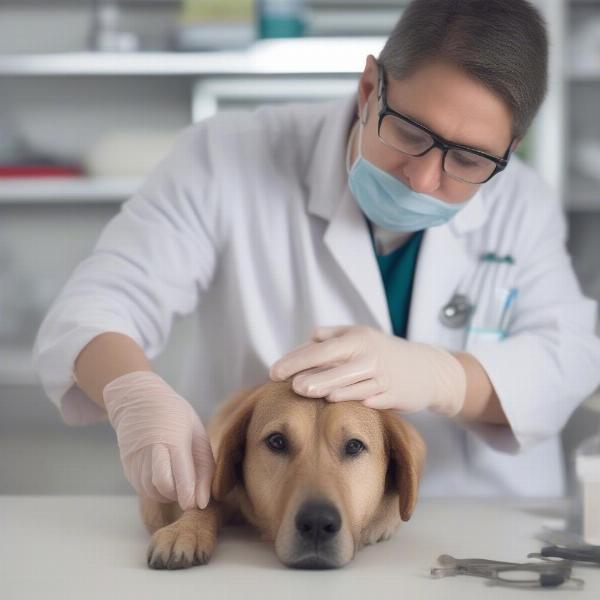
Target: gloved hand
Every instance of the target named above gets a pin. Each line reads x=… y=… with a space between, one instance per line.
x=384 y=371
x=164 y=447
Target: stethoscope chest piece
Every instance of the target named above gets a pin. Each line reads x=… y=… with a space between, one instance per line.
x=455 y=314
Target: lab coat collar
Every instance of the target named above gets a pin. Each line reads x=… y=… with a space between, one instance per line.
x=327 y=178
x=347 y=235
x=442 y=259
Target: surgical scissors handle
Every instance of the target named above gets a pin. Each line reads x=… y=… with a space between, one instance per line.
x=577 y=553
x=549 y=573
x=473 y=566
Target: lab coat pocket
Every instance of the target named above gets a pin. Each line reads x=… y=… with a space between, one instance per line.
x=490 y=319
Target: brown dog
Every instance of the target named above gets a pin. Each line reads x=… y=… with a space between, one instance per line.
x=319 y=479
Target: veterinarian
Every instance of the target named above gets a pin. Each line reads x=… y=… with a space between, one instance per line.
x=388 y=248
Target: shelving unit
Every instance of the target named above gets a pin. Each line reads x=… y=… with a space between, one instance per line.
x=308 y=56
x=269 y=71
x=323 y=67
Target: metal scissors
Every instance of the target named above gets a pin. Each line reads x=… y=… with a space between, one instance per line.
x=574 y=553
x=532 y=574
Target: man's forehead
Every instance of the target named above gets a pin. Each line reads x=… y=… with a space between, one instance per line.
x=454 y=106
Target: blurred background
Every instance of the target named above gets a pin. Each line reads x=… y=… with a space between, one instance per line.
x=93 y=92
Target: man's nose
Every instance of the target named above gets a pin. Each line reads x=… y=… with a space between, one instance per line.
x=424 y=172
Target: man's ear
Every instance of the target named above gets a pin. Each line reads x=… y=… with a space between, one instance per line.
x=231 y=447
x=367 y=84
x=407 y=452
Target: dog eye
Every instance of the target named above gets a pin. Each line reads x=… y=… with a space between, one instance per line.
x=354 y=447
x=276 y=442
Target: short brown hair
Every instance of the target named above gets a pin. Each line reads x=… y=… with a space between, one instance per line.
x=501 y=43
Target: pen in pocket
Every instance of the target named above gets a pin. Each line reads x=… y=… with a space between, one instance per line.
x=507 y=310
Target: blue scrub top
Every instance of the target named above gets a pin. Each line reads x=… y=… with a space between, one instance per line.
x=398 y=272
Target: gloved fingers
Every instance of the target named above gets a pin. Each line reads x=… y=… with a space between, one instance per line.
x=384 y=400
x=204 y=464
x=304 y=345
x=145 y=470
x=318 y=384
x=357 y=391
x=162 y=473
x=203 y=484
x=336 y=349
x=139 y=473
x=202 y=497
x=146 y=475
x=320 y=334
x=183 y=473
x=132 y=467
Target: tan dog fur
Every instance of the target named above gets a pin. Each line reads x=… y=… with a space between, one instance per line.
x=372 y=491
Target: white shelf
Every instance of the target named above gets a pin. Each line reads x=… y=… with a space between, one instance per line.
x=265 y=57
x=67 y=189
x=16 y=367
x=339 y=20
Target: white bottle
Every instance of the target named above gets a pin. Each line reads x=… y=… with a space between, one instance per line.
x=106 y=35
x=587 y=467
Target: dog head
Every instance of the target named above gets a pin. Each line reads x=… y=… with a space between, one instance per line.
x=320 y=479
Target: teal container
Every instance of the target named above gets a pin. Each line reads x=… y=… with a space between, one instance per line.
x=281 y=18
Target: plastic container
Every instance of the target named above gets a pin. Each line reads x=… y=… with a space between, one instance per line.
x=587 y=468
x=281 y=18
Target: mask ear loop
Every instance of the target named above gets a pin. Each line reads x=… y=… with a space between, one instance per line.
x=366 y=111
x=351 y=140
x=349 y=147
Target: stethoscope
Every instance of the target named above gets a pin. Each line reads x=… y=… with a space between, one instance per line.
x=456 y=313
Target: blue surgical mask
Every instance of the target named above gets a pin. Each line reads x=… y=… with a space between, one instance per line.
x=390 y=204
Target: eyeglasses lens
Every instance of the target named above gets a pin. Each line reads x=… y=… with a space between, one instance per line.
x=409 y=139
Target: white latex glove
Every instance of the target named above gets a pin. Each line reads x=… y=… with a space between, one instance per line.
x=164 y=448
x=384 y=371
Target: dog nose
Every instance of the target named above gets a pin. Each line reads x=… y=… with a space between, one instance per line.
x=318 y=521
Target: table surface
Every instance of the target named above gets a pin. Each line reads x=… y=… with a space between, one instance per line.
x=95 y=546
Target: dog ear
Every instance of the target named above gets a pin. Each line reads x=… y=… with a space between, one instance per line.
x=230 y=451
x=407 y=452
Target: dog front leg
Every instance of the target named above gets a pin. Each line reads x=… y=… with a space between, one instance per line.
x=188 y=541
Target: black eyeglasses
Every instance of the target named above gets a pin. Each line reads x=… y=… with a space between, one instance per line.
x=402 y=133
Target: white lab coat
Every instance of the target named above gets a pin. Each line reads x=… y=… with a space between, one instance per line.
x=249 y=221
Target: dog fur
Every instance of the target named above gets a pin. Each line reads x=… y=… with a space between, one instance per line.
x=318 y=501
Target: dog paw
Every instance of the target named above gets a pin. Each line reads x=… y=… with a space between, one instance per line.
x=178 y=546
x=386 y=535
